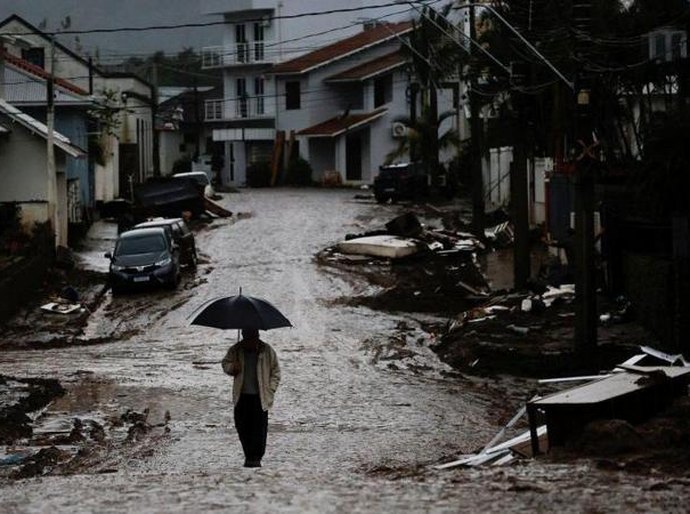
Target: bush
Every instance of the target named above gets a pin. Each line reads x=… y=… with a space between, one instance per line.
x=298 y=173
x=259 y=174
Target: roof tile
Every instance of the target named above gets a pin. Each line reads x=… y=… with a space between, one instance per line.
x=339 y=49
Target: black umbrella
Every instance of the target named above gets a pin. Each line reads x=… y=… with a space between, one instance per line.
x=240 y=312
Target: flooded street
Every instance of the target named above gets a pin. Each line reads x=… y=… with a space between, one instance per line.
x=357 y=421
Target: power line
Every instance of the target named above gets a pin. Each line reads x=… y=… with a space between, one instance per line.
x=216 y=23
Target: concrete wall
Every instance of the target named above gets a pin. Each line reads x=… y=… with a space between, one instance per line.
x=23 y=171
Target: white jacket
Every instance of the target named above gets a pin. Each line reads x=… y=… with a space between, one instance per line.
x=267 y=372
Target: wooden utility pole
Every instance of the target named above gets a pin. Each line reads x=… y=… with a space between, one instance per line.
x=154 y=115
x=52 y=193
x=519 y=203
x=585 y=281
x=476 y=130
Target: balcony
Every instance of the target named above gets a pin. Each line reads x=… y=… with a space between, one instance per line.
x=239 y=54
x=227 y=7
x=247 y=107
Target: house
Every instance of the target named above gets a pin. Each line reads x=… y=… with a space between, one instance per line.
x=25 y=86
x=41 y=197
x=126 y=103
x=342 y=101
x=258 y=35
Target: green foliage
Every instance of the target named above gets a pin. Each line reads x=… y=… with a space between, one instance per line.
x=181 y=69
x=299 y=172
x=259 y=174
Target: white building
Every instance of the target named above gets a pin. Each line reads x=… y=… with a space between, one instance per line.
x=342 y=101
x=260 y=34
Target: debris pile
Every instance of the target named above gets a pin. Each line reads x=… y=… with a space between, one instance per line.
x=418 y=269
x=629 y=409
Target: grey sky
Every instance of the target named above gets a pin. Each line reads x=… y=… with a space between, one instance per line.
x=89 y=14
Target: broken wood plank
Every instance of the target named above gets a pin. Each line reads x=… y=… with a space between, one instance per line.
x=571 y=379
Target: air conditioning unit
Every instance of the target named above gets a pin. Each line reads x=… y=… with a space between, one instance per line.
x=398 y=129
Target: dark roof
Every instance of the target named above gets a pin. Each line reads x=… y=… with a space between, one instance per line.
x=343 y=48
x=370 y=68
x=339 y=124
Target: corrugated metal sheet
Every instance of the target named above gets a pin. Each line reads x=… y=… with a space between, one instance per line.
x=37 y=127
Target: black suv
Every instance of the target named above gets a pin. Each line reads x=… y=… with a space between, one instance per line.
x=178 y=231
x=401 y=181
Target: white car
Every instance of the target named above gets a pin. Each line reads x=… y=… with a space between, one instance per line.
x=202 y=180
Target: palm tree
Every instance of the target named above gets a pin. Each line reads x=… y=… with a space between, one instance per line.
x=422 y=139
x=434 y=57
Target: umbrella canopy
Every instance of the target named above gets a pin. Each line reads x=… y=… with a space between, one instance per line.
x=240 y=312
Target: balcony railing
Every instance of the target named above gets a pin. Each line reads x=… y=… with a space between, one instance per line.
x=252 y=52
x=247 y=107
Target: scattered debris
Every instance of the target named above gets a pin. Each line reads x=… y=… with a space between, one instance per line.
x=389 y=247
x=61 y=308
x=501 y=235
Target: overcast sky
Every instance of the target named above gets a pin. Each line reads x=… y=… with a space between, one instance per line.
x=89 y=14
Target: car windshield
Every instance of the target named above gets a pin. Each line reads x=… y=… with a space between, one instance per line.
x=142 y=244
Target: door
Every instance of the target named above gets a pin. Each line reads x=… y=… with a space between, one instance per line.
x=242 y=99
x=241 y=43
x=259 y=95
x=353 y=156
x=129 y=169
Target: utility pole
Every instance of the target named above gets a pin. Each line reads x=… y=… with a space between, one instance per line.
x=154 y=112
x=476 y=129
x=53 y=209
x=518 y=196
x=585 y=283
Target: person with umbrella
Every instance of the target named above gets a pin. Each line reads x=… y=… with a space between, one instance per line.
x=251 y=362
x=254 y=365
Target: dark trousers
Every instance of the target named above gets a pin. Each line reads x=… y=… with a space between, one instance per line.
x=251 y=422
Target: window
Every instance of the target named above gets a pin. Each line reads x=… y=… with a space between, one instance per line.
x=676 y=44
x=35 y=56
x=242 y=99
x=258 y=42
x=667 y=45
x=660 y=46
x=292 y=95
x=259 y=93
x=383 y=90
x=241 y=43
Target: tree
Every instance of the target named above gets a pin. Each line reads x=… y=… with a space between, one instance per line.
x=434 y=57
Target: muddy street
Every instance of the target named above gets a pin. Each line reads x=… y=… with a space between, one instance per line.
x=358 y=419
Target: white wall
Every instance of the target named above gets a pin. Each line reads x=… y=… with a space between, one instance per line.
x=66 y=66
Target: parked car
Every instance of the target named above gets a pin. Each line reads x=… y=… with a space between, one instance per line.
x=177 y=231
x=401 y=181
x=144 y=256
x=202 y=181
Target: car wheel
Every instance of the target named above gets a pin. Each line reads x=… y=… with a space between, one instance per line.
x=381 y=198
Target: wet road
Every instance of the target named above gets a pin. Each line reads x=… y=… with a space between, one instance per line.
x=356 y=421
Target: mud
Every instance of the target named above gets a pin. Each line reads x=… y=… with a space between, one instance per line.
x=364 y=409
x=20 y=397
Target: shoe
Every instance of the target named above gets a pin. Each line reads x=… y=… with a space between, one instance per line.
x=252 y=464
